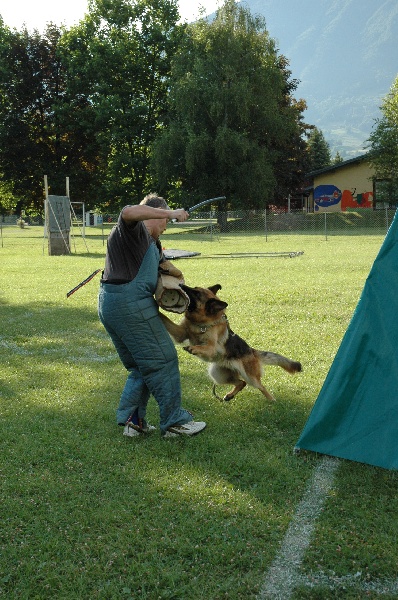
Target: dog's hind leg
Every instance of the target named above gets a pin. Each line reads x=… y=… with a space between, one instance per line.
x=252 y=372
x=223 y=375
x=238 y=388
x=264 y=391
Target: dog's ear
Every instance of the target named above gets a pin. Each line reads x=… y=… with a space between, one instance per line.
x=186 y=288
x=193 y=296
x=215 y=288
x=214 y=305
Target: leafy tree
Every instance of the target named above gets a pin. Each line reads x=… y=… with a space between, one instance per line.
x=29 y=78
x=35 y=137
x=337 y=158
x=291 y=166
x=7 y=198
x=118 y=64
x=318 y=150
x=232 y=120
x=384 y=146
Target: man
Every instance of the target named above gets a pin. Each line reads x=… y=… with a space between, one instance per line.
x=130 y=315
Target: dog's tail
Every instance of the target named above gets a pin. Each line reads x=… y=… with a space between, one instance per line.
x=270 y=358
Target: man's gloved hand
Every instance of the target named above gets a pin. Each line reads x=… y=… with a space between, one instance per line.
x=167 y=268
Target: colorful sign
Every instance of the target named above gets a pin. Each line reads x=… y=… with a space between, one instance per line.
x=328 y=198
x=348 y=200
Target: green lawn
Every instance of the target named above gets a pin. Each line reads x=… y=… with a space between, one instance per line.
x=86 y=513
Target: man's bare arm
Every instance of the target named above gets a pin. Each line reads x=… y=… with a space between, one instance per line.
x=143 y=212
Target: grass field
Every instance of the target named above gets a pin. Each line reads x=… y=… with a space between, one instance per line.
x=88 y=514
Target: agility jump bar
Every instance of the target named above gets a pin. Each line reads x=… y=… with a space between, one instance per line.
x=256 y=255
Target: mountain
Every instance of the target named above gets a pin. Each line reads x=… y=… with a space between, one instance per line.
x=345 y=55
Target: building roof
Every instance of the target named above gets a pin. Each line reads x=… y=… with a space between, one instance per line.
x=336 y=166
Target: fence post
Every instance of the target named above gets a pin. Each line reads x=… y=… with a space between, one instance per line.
x=265 y=224
x=326 y=228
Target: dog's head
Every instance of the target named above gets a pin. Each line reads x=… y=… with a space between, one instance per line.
x=204 y=305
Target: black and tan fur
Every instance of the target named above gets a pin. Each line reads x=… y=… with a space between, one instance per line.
x=232 y=360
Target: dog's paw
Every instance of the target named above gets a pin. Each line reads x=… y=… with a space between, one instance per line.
x=194 y=350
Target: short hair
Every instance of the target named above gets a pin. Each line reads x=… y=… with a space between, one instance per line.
x=155 y=201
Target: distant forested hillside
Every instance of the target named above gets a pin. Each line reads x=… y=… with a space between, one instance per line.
x=345 y=54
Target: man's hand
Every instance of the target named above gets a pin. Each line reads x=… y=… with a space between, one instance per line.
x=167 y=268
x=180 y=215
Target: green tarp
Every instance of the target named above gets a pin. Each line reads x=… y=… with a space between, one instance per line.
x=356 y=413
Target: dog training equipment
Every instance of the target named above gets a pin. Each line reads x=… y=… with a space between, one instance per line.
x=196 y=206
x=355 y=414
x=82 y=283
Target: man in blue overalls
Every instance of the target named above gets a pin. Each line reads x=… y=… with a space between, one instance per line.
x=129 y=313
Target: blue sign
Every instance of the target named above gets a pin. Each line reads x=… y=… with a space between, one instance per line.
x=326 y=196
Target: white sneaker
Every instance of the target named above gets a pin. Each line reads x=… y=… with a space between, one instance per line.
x=132 y=430
x=190 y=428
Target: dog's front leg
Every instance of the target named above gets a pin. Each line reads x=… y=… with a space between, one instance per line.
x=205 y=352
x=178 y=332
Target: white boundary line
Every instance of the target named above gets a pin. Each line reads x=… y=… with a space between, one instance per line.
x=284 y=574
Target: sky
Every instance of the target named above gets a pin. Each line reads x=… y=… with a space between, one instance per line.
x=36 y=13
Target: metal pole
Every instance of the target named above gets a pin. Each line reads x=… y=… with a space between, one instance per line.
x=45 y=232
x=265 y=224
x=326 y=229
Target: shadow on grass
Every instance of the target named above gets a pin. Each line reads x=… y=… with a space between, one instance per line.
x=60 y=358
x=77 y=492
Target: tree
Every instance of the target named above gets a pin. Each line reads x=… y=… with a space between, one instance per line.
x=231 y=117
x=337 y=158
x=41 y=132
x=118 y=61
x=7 y=198
x=384 y=147
x=318 y=150
x=291 y=166
x=19 y=113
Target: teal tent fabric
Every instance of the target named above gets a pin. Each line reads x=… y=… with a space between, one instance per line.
x=356 y=413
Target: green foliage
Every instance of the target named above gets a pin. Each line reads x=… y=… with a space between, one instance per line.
x=232 y=121
x=89 y=103
x=337 y=158
x=86 y=103
x=384 y=147
x=318 y=150
x=28 y=79
x=42 y=128
x=119 y=60
x=7 y=198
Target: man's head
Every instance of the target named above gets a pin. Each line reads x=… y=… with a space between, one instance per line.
x=155 y=226
x=155 y=201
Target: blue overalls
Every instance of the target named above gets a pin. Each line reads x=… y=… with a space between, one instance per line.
x=130 y=315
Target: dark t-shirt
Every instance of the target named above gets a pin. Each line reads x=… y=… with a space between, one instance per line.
x=126 y=248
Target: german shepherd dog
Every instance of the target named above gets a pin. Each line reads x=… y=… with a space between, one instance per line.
x=232 y=360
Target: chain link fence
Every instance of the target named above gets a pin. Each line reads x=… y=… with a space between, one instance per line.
x=364 y=222
x=268 y=223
